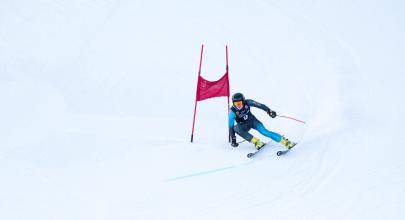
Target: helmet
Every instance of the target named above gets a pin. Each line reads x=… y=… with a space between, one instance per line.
x=238 y=97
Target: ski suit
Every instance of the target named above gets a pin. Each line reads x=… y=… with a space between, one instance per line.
x=245 y=121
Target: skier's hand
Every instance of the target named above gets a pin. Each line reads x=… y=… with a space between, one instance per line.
x=272 y=114
x=233 y=142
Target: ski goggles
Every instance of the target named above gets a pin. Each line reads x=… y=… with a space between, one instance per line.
x=238 y=104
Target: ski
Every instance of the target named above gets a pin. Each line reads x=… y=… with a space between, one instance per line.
x=249 y=155
x=282 y=152
x=279 y=153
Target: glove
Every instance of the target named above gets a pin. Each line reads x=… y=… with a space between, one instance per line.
x=272 y=114
x=233 y=142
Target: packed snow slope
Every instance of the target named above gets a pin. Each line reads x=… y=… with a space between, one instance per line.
x=97 y=101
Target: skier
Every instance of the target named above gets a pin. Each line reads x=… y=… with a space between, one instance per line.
x=240 y=111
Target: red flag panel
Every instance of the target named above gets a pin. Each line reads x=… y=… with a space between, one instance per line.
x=210 y=89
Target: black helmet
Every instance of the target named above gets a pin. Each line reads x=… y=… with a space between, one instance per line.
x=238 y=97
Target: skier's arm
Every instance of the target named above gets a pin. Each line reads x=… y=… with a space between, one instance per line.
x=231 y=118
x=257 y=105
x=263 y=107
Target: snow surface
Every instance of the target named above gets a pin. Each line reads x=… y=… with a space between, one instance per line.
x=97 y=101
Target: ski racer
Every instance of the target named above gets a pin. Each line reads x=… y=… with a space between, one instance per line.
x=245 y=120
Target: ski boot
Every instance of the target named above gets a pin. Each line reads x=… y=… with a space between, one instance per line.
x=257 y=142
x=288 y=144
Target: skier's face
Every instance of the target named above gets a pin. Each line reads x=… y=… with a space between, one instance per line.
x=238 y=104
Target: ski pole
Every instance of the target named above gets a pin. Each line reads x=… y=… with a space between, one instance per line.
x=241 y=141
x=291 y=118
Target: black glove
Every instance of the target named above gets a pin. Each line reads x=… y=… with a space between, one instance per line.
x=272 y=114
x=233 y=142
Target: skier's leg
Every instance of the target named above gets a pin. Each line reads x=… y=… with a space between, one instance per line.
x=270 y=134
x=273 y=135
x=243 y=131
